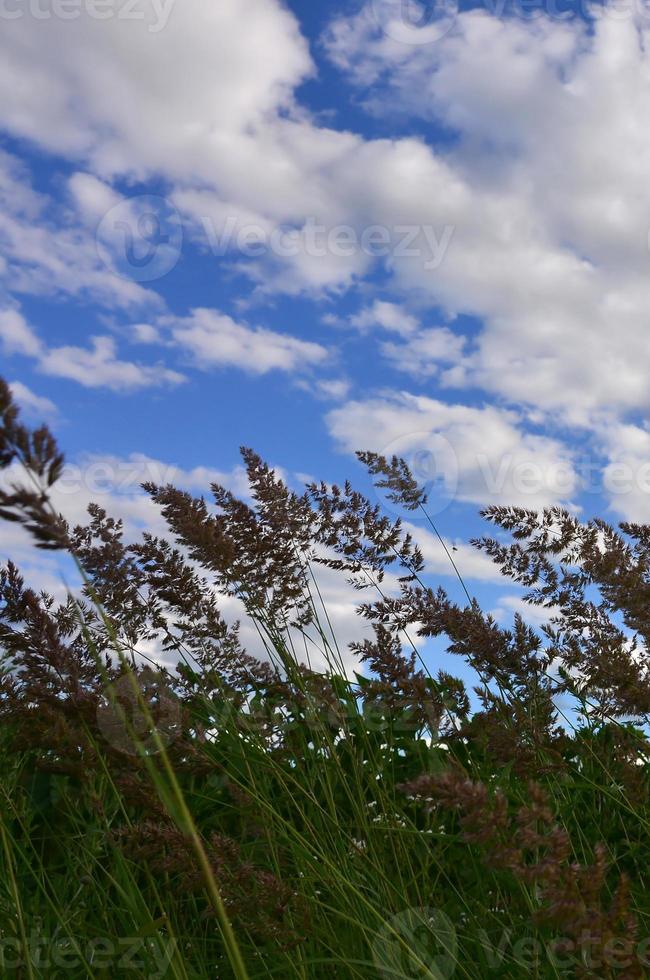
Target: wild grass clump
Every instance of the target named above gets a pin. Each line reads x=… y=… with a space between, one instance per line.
x=252 y=816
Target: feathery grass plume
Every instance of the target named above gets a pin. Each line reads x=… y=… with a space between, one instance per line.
x=366 y=541
x=564 y=896
x=595 y=642
x=257 y=901
x=50 y=685
x=37 y=453
x=395 y=477
x=403 y=489
x=258 y=553
x=275 y=795
x=407 y=694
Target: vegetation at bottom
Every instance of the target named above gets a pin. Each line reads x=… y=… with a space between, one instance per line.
x=309 y=811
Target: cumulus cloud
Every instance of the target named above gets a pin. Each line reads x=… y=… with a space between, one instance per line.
x=511 y=604
x=334 y=388
x=215 y=339
x=92 y=197
x=114 y=482
x=219 y=121
x=389 y=316
x=472 y=564
x=16 y=335
x=424 y=353
x=47 y=249
x=626 y=470
x=30 y=402
x=481 y=455
x=131 y=97
x=551 y=220
x=525 y=218
x=97 y=366
x=211 y=338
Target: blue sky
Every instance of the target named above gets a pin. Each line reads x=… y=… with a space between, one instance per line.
x=310 y=228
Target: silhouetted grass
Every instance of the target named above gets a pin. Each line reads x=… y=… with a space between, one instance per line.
x=244 y=816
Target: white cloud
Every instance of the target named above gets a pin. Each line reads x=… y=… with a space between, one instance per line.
x=128 y=97
x=419 y=351
x=46 y=249
x=551 y=221
x=472 y=564
x=214 y=338
x=405 y=74
x=217 y=117
x=535 y=616
x=92 y=197
x=96 y=366
x=326 y=389
x=30 y=402
x=481 y=455
x=626 y=472
x=389 y=316
x=113 y=482
x=16 y=335
x=335 y=388
x=423 y=353
x=145 y=333
x=99 y=367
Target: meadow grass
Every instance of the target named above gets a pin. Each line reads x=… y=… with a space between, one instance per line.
x=253 y=817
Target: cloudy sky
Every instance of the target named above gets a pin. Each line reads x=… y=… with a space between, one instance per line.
x=314 y=228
